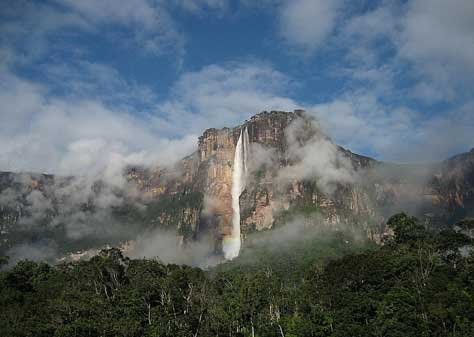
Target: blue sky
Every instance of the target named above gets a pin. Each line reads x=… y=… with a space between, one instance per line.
x=93 y=84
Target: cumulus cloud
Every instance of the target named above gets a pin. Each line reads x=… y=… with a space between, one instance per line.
x=314 y=156
x=75 y=136
x=29 y=27
x=90 y=80
x=153 y=28
x=225 y=94
x=430 y=42
x=360 y=121
x=437 y=37
x=401 y=59
x=83 y=132
x=222 y=95
x=26 y=26
x=307 y=23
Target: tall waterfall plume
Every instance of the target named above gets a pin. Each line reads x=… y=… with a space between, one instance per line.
x=231 y=244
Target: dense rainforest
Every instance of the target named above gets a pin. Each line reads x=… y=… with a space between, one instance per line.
x=419 y=283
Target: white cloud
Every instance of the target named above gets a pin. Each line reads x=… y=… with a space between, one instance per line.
x=27 y=26
x=96 y=123
x=360 y=122
x=222 y=95
x=397 y=52
x=75 y=136
x=376 y=23
x=318 y=158
x=152 y=27
x=430 y=42
x=437 y=36
x=82 y=79
x=307 y=23
x=81 y=133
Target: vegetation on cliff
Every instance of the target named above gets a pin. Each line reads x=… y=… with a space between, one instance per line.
x=419 y=284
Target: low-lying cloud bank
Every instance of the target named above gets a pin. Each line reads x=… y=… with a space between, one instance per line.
x=64 y=136
x=168 y=248
x=314 y=156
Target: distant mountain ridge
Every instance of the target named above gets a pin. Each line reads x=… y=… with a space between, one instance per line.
x=295 y=173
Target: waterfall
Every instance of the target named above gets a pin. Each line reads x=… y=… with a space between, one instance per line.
x=231 y=244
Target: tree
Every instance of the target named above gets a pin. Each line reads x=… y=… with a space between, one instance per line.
x=407 y=229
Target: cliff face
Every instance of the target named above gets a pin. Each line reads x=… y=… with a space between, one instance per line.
x=452 y=186
x=295 y=173
x=217 y=151
x=270 y=198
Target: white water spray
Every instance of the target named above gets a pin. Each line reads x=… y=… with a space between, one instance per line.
x=231 y=244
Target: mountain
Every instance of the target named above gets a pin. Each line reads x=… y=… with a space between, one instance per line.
x=276 y=169
x=453 y=185
x=279 y=183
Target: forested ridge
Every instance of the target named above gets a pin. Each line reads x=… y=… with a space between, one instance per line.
x=419 y=283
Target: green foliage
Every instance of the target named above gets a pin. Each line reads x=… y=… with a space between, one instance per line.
x=407 y=229
x=322 y=285
x=301 y=209
x=173 y=207
x=3 y=261
x=167 y=212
